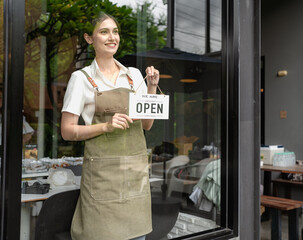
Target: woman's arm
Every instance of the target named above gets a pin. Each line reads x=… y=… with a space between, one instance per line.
x=71 y=131
x=152 y=82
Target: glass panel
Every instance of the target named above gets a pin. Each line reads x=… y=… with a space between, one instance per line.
x=215 y=25
x=184 y=151
x=190 y=26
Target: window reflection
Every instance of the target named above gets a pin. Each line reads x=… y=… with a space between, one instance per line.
x=184 y=150
x=215 y=25
x=191 y=26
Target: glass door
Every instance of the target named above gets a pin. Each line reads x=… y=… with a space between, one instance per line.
x=182 y=41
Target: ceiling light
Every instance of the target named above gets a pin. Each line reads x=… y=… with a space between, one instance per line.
x=188 y=80
x=167 y=76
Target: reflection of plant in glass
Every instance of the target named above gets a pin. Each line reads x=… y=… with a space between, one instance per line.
x=55 y=47
x=155 y=34
x=63 y=25
x=64 y=20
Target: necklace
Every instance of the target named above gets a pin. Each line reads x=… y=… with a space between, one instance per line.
x=112 y=77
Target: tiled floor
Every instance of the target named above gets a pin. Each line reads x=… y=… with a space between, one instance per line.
x=266 y=228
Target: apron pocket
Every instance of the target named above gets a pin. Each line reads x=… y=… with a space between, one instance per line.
x=107 y=177
x=136 y=176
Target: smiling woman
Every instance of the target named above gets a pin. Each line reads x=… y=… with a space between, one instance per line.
x=114 y=142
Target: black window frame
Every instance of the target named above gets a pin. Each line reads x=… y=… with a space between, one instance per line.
x=12 y=105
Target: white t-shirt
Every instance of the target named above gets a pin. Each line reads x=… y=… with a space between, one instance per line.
x=79 y=95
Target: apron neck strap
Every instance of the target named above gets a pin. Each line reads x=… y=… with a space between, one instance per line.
x=92 y=82
x=95 y=86
x=131 y=82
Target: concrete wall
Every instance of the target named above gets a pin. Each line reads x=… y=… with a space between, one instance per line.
x=282 y=46
x=249 y=137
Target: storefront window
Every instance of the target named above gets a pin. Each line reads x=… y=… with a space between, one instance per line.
x=184 y=151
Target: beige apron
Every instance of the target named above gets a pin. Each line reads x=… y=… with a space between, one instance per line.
x=114 y=202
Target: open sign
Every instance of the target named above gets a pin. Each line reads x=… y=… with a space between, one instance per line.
x=148 y=106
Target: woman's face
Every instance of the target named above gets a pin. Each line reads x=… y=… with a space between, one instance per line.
x=105 y=38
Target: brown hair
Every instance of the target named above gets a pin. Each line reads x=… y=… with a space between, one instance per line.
x=101 y=17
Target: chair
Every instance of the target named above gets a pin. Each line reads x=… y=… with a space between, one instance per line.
x=184 y=185
x=157 y=168
x=54 y=220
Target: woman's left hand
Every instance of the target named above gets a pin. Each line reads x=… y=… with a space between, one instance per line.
x=152 y=76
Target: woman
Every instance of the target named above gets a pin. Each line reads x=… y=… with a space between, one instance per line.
x=114 y=202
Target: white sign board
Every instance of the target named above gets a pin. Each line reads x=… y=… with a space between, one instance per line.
x=148 y=106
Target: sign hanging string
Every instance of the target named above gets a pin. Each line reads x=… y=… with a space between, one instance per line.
x=143 y=81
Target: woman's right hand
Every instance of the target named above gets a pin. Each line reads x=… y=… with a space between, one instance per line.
x=120 y=121
x=71 y=131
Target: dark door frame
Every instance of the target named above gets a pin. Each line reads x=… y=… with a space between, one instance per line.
x=13 y=83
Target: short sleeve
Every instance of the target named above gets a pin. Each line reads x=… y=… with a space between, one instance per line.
x=74 y=96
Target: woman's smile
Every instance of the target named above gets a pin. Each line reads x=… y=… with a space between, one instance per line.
x=106 y=38
x=111 y=45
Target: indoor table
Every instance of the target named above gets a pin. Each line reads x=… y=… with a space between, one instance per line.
x=27 y=199
x=268 y=169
